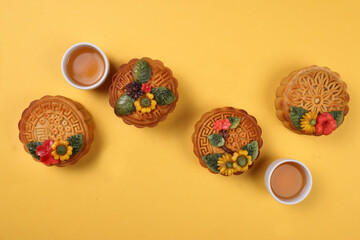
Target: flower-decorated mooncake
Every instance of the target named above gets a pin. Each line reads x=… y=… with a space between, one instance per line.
x=312 y=101
x=56 y=130
x=143 y=92
x=227 y=141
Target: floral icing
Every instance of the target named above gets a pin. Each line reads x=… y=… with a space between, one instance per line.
x=50 y=152
x=237 y=162
x=145 y=103
x=146 y=87
x=226 y=165
x=325 y=124
x=140 y=96
x=242 y=160
x=44 y=152
x=316 y=123
x=308 y=122
x=61 y=150
x=230 y=162
x=223 y=124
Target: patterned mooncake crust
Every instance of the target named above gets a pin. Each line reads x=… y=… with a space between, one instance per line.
x=247 y=131
x=56 y=117
x=160 y=76
x=316 y=89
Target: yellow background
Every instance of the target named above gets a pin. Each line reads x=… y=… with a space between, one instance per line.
x=147 y=183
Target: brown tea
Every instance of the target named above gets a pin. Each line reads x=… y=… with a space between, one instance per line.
x=85 y=66
x=288 y=180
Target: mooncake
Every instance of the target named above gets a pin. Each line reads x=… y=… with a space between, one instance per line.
x=312 y=101
x=143 y=92
x=56 y=130
x=227 y=141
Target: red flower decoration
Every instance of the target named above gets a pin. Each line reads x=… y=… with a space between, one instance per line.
x=218 y=125
x=146 y=87
x=44 y=152
x=226 y=124
x=222 y=124
x=325 y=124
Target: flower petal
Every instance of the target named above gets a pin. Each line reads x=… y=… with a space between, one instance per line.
x=47 y=144
x=64 y=142
x=41 y=150
x=48 y=159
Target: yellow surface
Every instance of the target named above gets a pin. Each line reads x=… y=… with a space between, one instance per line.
x=147 y=183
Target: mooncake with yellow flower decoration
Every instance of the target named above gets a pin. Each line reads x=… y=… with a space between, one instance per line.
x=143 y=92
x=227 y=141
x=56 y=130
x=312 y=101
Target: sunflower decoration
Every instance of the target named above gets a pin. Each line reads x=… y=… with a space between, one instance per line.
x=141 y=95
x=308 y=122
x=229 y=162
x=313 y=123
x=242 y=160
x=145 y=103
x=51 y=152
x=306 y=97
x=61 y=150
x=226 y=165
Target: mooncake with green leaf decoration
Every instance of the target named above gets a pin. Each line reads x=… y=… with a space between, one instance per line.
x=56 y=131
x=143 y=92
x=227 y=141
x=312 y=101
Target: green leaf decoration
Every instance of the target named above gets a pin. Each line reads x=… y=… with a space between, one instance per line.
x=252 y=149
x=216 y=140
x=163 y=95
x=234 y=122
x=32 y=148
x=211 y=161
x=142 y=71
x=296 y=114
x=338 y=116
x=124 y=105
x=76 y=141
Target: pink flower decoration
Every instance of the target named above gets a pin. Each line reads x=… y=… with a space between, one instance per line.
x=218 y=125
x=222 y=124
x=226 y=124
x=44 y=152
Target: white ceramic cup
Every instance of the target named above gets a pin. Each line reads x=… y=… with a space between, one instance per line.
x=65 y=59
x=305 y=191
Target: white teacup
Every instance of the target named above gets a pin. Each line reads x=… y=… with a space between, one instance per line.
x=304 y=192
x=65 y=59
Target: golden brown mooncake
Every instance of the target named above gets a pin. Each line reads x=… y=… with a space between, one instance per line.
x=312 y=101
x=139 y=83
x=239 y=132
x=56 y=130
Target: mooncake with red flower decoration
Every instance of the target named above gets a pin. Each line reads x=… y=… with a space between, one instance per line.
x=143 y=92
x=312 y=101
x=227 y=141
x=56 y=130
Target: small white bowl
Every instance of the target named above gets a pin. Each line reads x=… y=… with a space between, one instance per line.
x=305 y=191
x=65 y=59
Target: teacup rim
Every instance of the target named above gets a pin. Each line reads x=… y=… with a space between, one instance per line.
x=69 y=80
x=303 y=194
